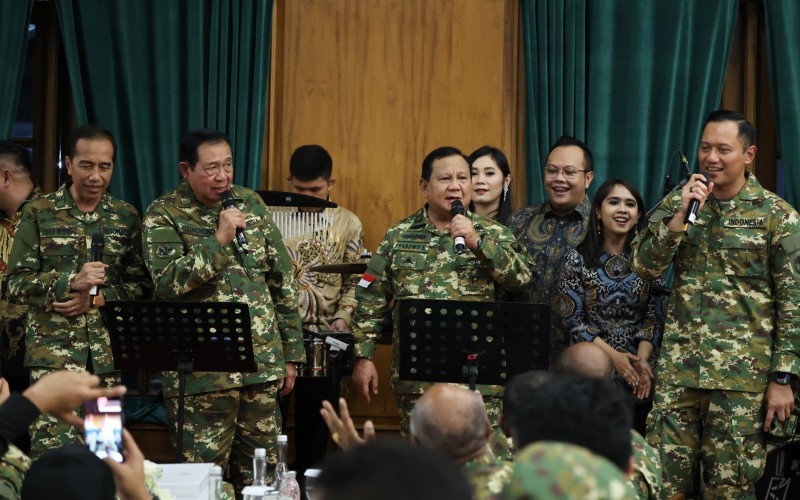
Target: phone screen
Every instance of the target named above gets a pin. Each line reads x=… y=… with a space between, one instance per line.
x=103 y=427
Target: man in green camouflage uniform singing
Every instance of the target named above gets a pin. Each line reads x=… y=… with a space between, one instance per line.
x=417 y=259
x=193 y=255
x=51 y=271
x=732 y=341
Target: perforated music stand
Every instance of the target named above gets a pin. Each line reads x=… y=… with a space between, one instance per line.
x=474 y=342
x=182 y=337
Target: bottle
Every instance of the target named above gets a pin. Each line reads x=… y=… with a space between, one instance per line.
x=215 y=483
x=289 y=489
x=280 y=467
x=260 y=467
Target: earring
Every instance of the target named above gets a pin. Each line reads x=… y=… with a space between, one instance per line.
x=505 y=192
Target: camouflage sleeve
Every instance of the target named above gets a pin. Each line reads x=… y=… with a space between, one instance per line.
x=655 y=247
x=136 y=283
x=177 y=271
x=652 y=327
x=347 y=303
x=373 y=302
x=508 y=261
x=571 y=292
x=786 y=277
x=28 y=283
x=280 y=281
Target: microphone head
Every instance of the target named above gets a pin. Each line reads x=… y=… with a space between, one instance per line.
x=97 y=242
x=705 y=176
x=226 y=198
x=457 y=207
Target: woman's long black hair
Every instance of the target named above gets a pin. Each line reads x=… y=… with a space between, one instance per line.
x=500 y=159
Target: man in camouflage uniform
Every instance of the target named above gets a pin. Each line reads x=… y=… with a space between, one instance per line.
x=16 y=189
x=417 y=259
x=732 y=338
x=554 y=470
x=549 y=230
x=51 y=271
x=14 y=463
x=193 y=255
x=453 y=420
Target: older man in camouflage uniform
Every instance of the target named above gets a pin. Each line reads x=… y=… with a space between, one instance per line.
x=417 y=259
x=453 y=420
x=193 y=255
x=51 y=271
x=732 y=340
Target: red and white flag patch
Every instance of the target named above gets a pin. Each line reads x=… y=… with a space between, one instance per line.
x=366 y=280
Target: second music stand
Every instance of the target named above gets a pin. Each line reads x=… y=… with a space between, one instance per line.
x=180 y=336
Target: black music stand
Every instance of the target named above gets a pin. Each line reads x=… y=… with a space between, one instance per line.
x=474 y=342
x=180 y=336
x=287 y=199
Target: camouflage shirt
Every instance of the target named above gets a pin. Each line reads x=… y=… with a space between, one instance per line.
x=53 y=242
x=733 y=315
x=416 y=260
x=13 y=467
x=555 y=470
x=189 y=264
x=645 y=482
x=487 y=475
x=548 y=238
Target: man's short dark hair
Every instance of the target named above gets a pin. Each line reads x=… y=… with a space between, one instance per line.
x=310 y=162
x=747 y=132
x=16 y=154
x=191 y=142
x=438 y=154
x=568 y=140
x=519 y=389
x=592 y=413
x=391 y=470
x=89 y=132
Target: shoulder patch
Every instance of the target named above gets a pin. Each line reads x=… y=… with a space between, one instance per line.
x=165 y=251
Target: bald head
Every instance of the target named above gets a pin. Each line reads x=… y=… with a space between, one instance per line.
x=452 y=420
x=586 y=359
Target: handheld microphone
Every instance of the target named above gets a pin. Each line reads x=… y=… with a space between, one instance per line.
x=457 y=208
x=98 y=244
x=226 y=197
x=694 y=205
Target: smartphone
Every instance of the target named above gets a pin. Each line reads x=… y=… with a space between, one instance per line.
x=783 y=430
x=102 y=422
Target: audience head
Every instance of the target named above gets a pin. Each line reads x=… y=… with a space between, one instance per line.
x=727 y=146
x=546 y=470
x=310 y=169
x=568 y=171
x=616 y=199
x=445 y=178
x=451 y=420
x=585 y=359
x=89 y=157
x=206 y=162
x=517 y=390
x=391 y=470
x=70 y=472
x=15 y=177
x=583 y=411
x=491 y=179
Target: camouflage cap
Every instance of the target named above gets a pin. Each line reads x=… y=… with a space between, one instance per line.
x=551 y=470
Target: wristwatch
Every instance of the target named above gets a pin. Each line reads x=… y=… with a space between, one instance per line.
x=782 y=378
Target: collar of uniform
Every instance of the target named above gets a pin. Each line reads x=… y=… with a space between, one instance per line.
x=64 y=201
x=421 y=218
x=582 y=210
x=187 y=197
x=752 y=189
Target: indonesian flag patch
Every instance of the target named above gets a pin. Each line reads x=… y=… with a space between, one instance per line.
x=366 y=280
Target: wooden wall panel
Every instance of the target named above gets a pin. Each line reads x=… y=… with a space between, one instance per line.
x=380 y=83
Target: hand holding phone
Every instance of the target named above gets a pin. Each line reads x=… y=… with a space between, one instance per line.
x=102 y=423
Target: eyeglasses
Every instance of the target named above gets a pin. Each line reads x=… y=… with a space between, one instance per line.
x=213 y=170
x=568 y=172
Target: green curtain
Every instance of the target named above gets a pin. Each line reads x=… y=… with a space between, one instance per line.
x=150 y=71
x=645 y=75
x=554 y=53
x=783 y=53
x=14 y=19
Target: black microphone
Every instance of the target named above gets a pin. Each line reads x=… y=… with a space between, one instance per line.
x=226 y=197
x=457 y=208
x=98 y=243
x=694 y=205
